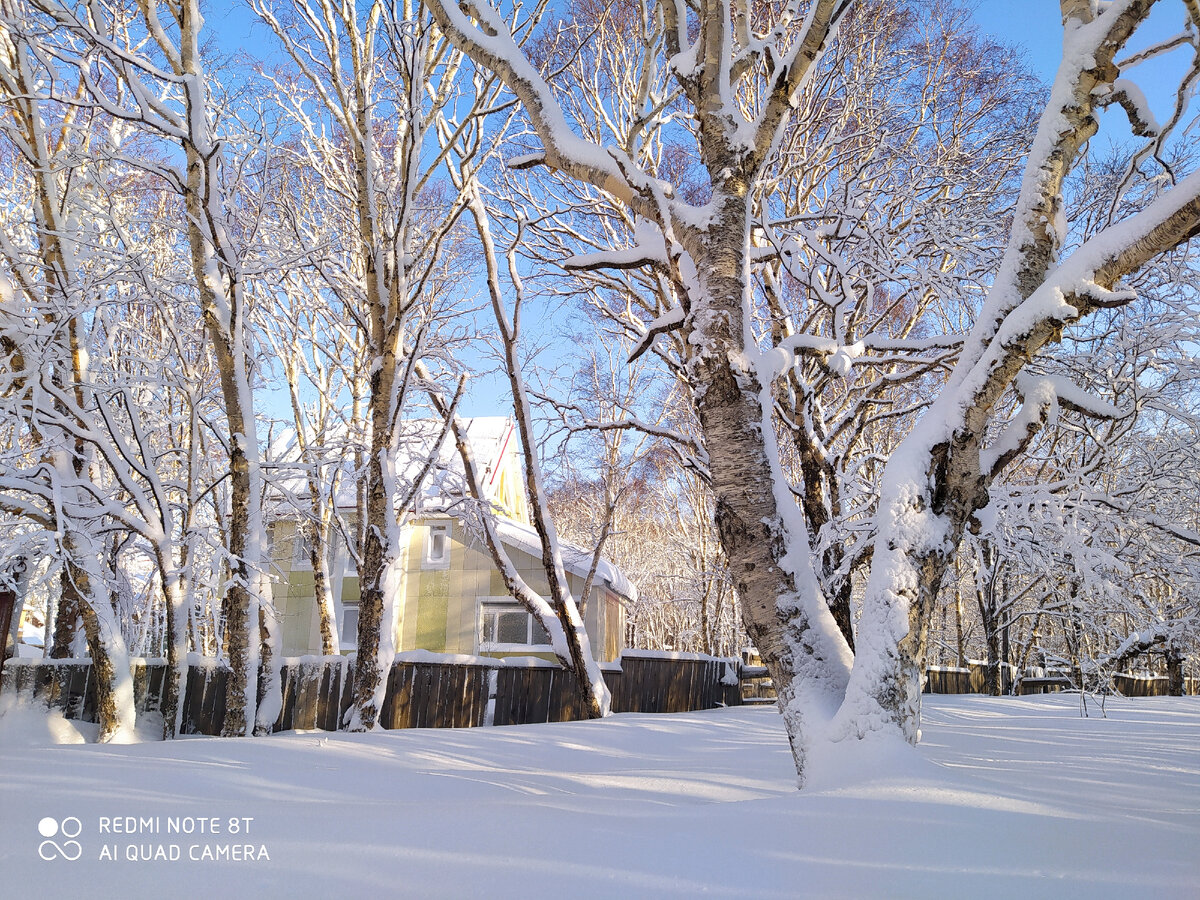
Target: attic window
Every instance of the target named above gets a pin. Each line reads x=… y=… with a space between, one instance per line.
x=301 y=548
x=437 y=547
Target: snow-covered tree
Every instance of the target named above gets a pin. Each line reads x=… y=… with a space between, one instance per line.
x=730 y=79
x=144 y=67
x=379 y=105
x=48 y=473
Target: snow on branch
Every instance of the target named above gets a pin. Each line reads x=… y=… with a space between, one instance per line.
x=664 y=324
x=526 y=161
x=1039 y=407
x=1134 y=645
x=628 y=258
x=1092 y=37
x=1182 y=39
x=649 y=248
x=478 y=30
x=793 y=67
x=1073 y=397
x=1043 y=396
x=840 y=358
x=1082 y=283
x=1133 y=101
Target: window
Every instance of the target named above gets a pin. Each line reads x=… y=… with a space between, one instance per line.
x=301 y=548
x=507 y=626
x=437 y=547
x=349 y=634
x=345 y=554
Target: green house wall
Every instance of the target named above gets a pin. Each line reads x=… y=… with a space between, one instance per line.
x=440 y=607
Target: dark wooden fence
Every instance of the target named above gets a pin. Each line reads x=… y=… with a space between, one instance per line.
x=536 y=693
x=66 y=685
x=453 y=693
x=316 y=693
x=948 y=680
x=951 y=680
x=654 y=684
x=1151 y=685
x=420 y=694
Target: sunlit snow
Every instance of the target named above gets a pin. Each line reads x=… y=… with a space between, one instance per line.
x=1005 y=798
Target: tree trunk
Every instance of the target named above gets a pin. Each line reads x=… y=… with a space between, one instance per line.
x=242 y=601
x=111 y=674
x=320 y=557
x=568 y=636
x=925 y=498
x=985 y=598
x=66 y=616
x=1006 y=673
x=960 y=639
x=991 y=679
x=175 y=680
x=379 y=578
x=1176 y=687
x=762 y=534
x=820 y=502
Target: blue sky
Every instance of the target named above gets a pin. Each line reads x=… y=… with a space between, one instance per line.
x=1034 y=25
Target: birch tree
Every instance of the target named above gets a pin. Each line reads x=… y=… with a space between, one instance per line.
x=47 y=468
x=561 y=613
x=737 y=75
x=392 y=104
x=937 y=480
x=145 y=67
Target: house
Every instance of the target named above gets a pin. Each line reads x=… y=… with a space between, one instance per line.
x=454 y=600
x=22 y=626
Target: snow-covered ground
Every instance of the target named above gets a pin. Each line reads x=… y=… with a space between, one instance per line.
x=1010 y=798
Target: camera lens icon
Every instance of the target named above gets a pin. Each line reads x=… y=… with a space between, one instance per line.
x=70 y=827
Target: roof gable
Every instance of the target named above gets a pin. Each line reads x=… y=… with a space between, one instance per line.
x=493 y=443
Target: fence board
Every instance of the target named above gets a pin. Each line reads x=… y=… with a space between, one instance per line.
x=400 y=693
x=317 y=692
x=948 y=681
x=1140 y=686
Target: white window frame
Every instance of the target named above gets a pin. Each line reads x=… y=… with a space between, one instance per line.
x=343 y=556
x=428 y=560
x=343 y=640
x=495 y=605
x=301 y=546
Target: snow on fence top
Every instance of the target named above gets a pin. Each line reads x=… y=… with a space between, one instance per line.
x=671 y=654
x=67 y=661
x=428 y=657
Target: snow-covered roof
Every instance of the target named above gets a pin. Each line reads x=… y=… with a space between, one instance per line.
x=494 y=444
x=575 y=559
x=490 y=437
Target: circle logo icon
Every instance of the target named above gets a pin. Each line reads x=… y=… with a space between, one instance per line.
x=69 y=828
